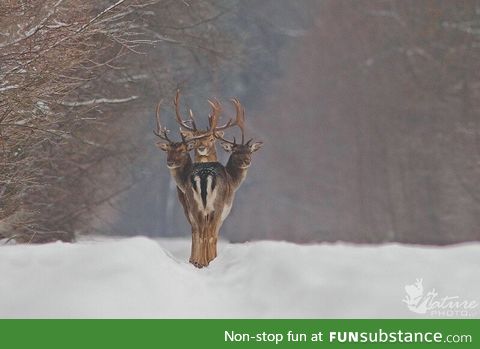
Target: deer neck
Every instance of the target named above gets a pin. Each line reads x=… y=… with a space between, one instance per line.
x=236 y=172
x=180 y=174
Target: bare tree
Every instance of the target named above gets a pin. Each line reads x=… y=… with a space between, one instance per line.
x=68 y=84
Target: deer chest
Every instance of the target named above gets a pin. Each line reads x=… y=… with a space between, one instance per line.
x=203 y=178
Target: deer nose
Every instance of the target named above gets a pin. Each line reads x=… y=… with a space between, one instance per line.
x=170 y=162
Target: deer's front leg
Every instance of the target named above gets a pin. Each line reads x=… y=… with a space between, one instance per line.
x=198 y=256
x=211 y=242
x=195 y=251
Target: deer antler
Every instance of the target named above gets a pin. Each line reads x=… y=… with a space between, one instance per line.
x=180 y=121
x=239 y=121
x=240 y=118
x=192 y=120
x=213 y=117
x=161 y=132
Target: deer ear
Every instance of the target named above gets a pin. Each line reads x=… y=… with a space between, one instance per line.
x=226 y=146
x=255 y=146
x=163 y=146
x=190 y=146
x=186 y=134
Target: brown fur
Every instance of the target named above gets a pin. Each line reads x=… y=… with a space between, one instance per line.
x=206 y=218
x=205 y=228
x=204 y=147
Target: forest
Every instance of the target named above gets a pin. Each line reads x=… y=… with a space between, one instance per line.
x=369 y=114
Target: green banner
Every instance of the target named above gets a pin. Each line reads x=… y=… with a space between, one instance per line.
x=241 y=333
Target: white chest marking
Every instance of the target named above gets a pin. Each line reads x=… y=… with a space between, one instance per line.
x=211 y=195
x=197 y=192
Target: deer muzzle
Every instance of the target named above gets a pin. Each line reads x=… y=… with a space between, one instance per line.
x=171 y=164
x=202 y=150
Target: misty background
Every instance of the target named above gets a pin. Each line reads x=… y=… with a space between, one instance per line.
x=369 y=114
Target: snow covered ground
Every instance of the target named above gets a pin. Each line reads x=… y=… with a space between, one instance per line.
x=140 y=277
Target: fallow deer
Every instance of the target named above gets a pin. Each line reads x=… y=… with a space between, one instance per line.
x=179 y=161
x=206 y=188
x=241 y=154
x=193 y=181
x=213 y=191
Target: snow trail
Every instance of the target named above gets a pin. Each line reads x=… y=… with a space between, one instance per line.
x=144 y=278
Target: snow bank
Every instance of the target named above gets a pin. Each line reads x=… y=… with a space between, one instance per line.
x=139 y=277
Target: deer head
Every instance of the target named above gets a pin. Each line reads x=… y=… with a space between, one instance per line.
x=241 y=153
x=241 y=156
x=177 y=152
x=204 y=140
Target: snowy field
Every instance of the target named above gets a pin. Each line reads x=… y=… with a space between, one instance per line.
x=144 y=278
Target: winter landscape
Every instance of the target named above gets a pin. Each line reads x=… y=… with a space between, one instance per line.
x=144 y=278
x=323 y=156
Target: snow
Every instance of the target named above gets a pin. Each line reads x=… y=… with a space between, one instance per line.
x=145 y=278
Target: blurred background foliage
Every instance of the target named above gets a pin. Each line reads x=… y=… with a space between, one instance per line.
x=369 y=112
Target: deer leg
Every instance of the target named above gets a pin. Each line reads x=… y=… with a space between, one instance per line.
x=204 y=242
x=194 y=254
x=213 y=238
x=198 y=258
x=204 y=253
x=198 y=255
x=197 y=246
x=210 y=245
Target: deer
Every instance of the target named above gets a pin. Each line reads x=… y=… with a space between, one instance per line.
x=206 y=189
x=214 y=187
x=179 y=161
x=241 y=153
x=205 y=150
x=181 y=167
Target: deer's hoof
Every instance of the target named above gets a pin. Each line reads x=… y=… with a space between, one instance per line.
x=198 y=265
